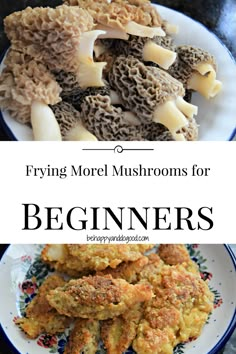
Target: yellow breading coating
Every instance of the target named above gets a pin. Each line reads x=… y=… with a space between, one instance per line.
x=127 y=270
x=178 y=312
x=118 y=333
x=173 y=253
x=79 y=259
x=84 y=337
x=40 y=316
x=98 y=297
x=117 y=14
x=49 y=35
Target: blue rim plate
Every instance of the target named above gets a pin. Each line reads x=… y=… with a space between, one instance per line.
x=216 y=117
x=216 y=261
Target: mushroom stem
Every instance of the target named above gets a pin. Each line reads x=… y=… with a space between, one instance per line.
x=114 y=33
x=79 y=133
x=205 y=68
x=85 y=50
x=131 y=118
x=99 y=49
x=170 y=28
x=159 y=55
x=115 y=98
x=206 y=85
x=44 y=124
x=171 y=117
x=188 y=109
x=136 y=29
x=90 y=75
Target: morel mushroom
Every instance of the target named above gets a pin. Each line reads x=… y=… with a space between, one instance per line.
x=60 y=38
x=140 y=20
x=196 y=69
x=73 y=93
x=152 y=94
x=70 y=123
x=24 y=81
x=159 y=50
x=107 y=122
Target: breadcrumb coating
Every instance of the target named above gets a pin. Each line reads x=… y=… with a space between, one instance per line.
x=126 y=270
x=40 y=316
x=49 y=35
x=118 y=333
x=98 y=297
x=84 y=337
x=178 y=311
x=76 y=259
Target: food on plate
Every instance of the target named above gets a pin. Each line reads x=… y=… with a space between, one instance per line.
x=84 y=337
x=118 y=333
x=153 y=94
x=157 y=50
x=108 y=122
x=97 y=297
x=196 y=69
x=177 y=312
x=136 y=18
x=40 y=315
x=69 y=122
x=80 y=53
x=149 y=302
x=127 y=270
x=82 y=259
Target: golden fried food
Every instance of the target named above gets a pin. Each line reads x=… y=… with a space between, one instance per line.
x=173 y=254
x=77 y=260
x=127 y=270
x=178 y=312
x=40 y=316
x=97 y=297
x=84 y=337
x=118 y=333
x=177 y=254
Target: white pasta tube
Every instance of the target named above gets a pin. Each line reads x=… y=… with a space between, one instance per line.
x=159 y=55
x=44 y=123
x=136 y=29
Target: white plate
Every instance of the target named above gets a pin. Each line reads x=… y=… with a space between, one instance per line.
x=217 y=262
x=217 y=117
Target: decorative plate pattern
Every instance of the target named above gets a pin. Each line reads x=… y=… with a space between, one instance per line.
x=22 y=272
x=216 y=117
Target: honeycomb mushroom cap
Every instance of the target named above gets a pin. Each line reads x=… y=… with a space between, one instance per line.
x=118 y=13
x=23 y=81
x=48 y=35
x=192 y=56
x=107 y=122
x=142 y=88
x=66 y=115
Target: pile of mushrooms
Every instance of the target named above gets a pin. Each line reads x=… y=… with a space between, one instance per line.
x=99 y=70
